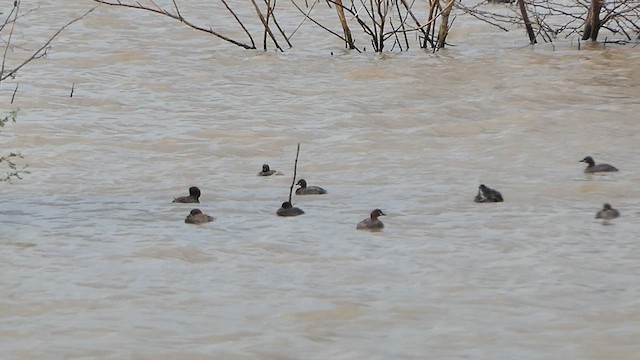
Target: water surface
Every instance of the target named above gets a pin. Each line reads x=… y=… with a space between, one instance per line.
x=98 y=263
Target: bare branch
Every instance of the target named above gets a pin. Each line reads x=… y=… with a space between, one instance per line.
x=253 y=45
x=179 y=18
x=320 y=25
x=265 y=23
x=275 y=21
x=14 y=11
x=42 y=49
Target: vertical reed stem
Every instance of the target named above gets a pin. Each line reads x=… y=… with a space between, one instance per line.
x=295 y=171
x=345 y=27
x=14 y=92
x=527 y=22
x=444 y=24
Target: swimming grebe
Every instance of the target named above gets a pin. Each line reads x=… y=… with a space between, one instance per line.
x=486 y=195
x=372 y=223
x=194 y=196
x=607 y=213
x=197 y=217
x=308 y=190
x=266 y=171
x=288 y=210
x=593 y=168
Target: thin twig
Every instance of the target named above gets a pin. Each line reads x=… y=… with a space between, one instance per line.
x=320 y=25
x=13 y=25
x=295 y=171
x=265 y=23
x=253 y=45
x=275 y=21
x=179 y=18
x=46 y=44
x=306 y=15
x=14 y=92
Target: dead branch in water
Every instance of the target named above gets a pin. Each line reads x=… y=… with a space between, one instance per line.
x=178 y=16
x=253 y=45
x=307 y=15
x=345 y=27
x=275 y=22
x=592 y=24
x=14 y=13
x=295 y=171
x=374 y=15
x=444 y=24
x=527 y=22
x=265 y=23
x=14 y=92
x=40 y=52
x=384 y=21
x=552 y=18
x=10 y=161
